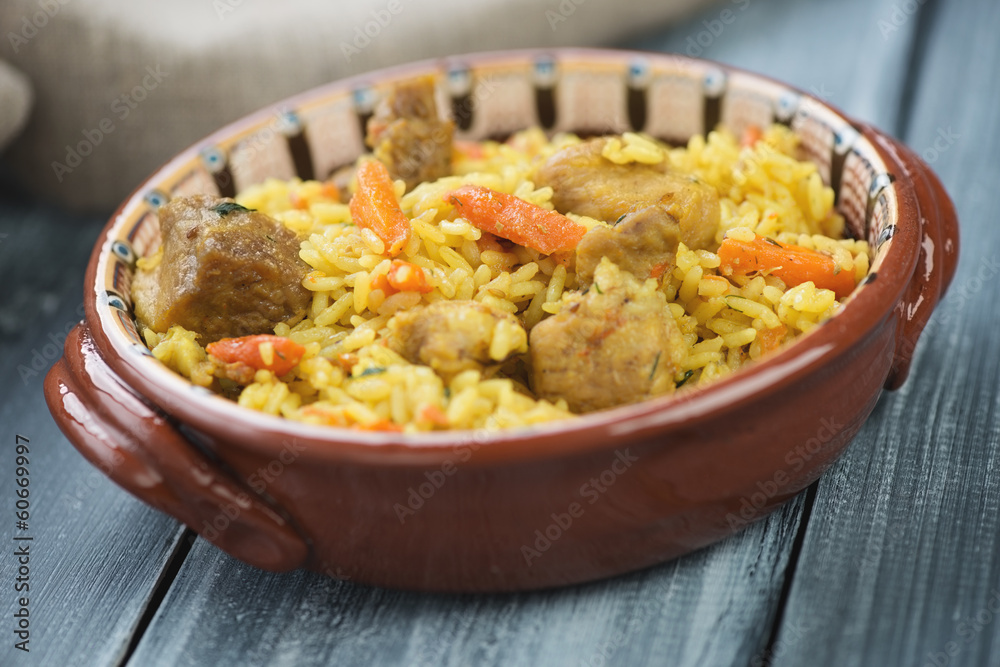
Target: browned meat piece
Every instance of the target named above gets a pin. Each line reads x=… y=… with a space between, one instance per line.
x=455 y=336
x=586 y=183
x=407 y=135
x=614 y=344
x=644 y=243
x=225 y=271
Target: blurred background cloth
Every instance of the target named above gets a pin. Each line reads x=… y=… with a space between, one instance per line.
x=15 y=101
x=122 y=86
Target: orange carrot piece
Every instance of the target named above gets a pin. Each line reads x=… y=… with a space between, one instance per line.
x=514 y=219
x=751 y=135
x=407 y=277
x=330 y=191
x=793 y=264
x=283 y=356
x=325 y=417
x=433 y=414
x=346 y=361
x=380 y=425
x=381 y=282
x=659 y=269
x=771 y=339
x=471 y=150
x=374 y=207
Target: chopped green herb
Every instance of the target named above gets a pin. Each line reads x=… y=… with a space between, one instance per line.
x=227 y=207
x=687 y=376
x=598 y=288
x=729 y=301
x=773 y=242
x=374 y=370
x=447 y=392
x=656 y=362
x=269 y=237
x=620 y=218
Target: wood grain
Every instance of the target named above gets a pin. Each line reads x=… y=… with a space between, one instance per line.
x=222 y=612
x=833 y=50
x=97 y=553
x=716 y=607
x=900 y=562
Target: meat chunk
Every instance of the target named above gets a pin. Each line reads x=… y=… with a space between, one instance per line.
x=225 y=271
x=408 y=137
x=455 y=336
x=644 y=243
x=613 y=345
x=585 y=182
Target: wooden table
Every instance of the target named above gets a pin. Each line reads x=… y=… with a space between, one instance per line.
x=890 y=559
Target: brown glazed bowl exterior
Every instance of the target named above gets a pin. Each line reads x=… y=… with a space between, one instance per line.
x=522 y=509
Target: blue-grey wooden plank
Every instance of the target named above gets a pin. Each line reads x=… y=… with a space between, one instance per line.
x=96 y=553
x=838 y=50
x=904 y=541
x=708 y=608
x=715 y=607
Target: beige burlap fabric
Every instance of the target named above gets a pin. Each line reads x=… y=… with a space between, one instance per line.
x=121 y=86
x=15 y=101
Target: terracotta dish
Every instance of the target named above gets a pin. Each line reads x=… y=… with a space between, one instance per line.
x=551 y=505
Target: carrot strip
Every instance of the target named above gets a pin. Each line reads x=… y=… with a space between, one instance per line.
x=346 y=361
x=751 y=135
x=374 y=207
x=325 y=417
x=261 y=352
x=471 y=150
x=793 y=264
x=514 y=219
x=659 y=269
x=381 y=281
x=330 y=191
x=433 y=414
x=380 y=425
x=298 y=201
x=407 y=277
x=771 y=339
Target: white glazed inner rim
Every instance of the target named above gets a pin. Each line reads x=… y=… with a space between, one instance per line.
x=310 y=136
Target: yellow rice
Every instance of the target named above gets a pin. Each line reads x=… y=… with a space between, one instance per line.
x=763 y=190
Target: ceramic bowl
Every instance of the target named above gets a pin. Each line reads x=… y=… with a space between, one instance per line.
x=551 y=505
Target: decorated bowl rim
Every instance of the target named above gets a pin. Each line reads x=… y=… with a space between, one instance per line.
x=870 y=304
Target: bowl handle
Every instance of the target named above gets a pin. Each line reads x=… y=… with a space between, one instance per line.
x=938 y=258
x=142 y=451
